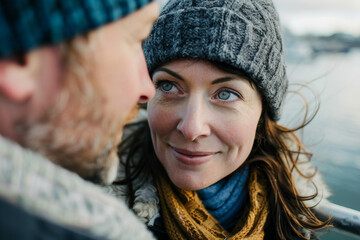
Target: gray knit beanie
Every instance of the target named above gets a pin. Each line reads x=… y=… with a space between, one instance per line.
x=27 y=24
x=242 y=33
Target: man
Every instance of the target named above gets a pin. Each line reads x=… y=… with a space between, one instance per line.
x=71 y=72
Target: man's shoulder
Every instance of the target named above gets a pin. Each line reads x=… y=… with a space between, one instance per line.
x=33 y=183
x=16 y=223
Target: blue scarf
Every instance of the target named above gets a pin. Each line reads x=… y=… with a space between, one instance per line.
x=224 y=200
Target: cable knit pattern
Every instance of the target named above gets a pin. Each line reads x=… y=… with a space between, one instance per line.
x=245 y=34
x=35 y=184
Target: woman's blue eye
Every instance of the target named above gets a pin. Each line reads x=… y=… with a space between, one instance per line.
x=227 y=95
x=166 y=86
x=224 y=95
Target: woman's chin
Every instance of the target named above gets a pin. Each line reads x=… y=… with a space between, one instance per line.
x=190 y=183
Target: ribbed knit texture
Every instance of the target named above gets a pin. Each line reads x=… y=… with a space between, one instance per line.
x=26 y=24
x=225 y=199
x=185 y=217
x=245 y=34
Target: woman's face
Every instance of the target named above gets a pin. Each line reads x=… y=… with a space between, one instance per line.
x=203 y=122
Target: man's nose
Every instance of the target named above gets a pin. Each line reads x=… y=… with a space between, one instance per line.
x=147 y=87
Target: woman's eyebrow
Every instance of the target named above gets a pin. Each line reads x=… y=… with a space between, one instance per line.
x=223 y=79
x=174 y=74
x=226 y=79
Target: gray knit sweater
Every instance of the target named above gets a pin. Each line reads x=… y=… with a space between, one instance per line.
x=35 y=184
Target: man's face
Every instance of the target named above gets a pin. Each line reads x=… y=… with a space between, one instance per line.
x=106 y=76
x=119 y=67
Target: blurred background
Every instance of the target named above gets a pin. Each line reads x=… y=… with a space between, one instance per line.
x=322 y=43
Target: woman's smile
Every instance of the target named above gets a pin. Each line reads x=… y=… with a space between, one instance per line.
x=189 y=157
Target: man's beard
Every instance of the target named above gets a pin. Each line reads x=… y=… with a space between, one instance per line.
x=79 y=136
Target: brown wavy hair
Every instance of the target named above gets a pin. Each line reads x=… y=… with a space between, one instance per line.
x=276 y=152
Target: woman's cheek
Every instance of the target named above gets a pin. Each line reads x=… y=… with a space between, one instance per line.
x=160 y=119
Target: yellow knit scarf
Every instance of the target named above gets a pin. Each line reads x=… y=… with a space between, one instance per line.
x=185 y=217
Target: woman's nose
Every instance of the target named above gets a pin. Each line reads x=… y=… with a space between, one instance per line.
x=194 y=122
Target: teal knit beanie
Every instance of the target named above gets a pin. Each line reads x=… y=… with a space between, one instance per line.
x=245 y=34
x=27 y=24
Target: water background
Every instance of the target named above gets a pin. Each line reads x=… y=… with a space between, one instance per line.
x=334 y=135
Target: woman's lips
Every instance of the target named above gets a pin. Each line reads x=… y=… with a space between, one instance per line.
x=188 y=157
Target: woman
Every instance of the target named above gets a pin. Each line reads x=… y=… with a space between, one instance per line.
x=212 y=163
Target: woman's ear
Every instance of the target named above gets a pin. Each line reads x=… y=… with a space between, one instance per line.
x=18 y=77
